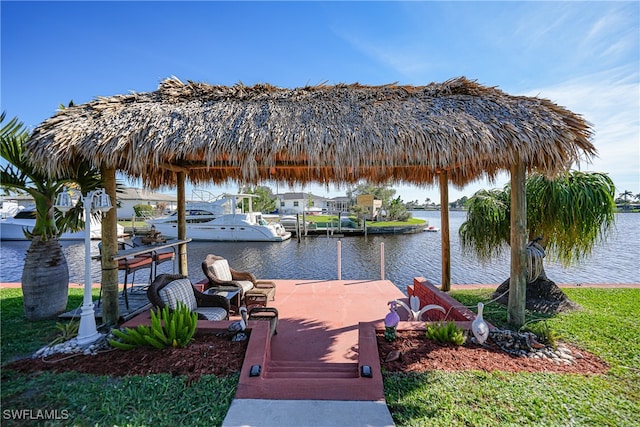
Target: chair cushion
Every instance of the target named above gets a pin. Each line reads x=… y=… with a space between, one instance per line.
x=178 y=290
x=246 y=285
x=220 y=269
x=212 y=313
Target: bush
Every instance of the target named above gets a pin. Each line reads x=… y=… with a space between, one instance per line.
x=445 y=333
x=543 y=331
x=143 y=211
x=66 y=331
x=168 y=328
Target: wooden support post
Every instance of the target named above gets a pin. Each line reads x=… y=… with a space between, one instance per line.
x=518 y=278
x=110 y=304
x=183 y=266
x=444 y=230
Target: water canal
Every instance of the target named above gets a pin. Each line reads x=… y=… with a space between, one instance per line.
x=406 y=256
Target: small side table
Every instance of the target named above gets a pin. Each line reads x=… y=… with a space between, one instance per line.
x=263 y=292
x=230 y=293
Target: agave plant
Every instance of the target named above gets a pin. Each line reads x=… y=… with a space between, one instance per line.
x=45 y=277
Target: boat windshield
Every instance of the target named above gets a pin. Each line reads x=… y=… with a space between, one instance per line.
x=25 y=214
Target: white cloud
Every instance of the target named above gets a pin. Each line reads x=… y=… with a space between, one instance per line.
x=611 y=102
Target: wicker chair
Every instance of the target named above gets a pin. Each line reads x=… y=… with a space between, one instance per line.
x=220 y=275
x=169 y=289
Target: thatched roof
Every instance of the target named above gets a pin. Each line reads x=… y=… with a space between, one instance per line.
x=323 y=133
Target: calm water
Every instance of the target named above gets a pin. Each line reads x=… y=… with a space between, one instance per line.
x=406 y=256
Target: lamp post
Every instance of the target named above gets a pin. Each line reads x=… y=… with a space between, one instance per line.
x=93 y=201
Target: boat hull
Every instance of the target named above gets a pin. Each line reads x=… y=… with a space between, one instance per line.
x=222 y=233
x=13 y=229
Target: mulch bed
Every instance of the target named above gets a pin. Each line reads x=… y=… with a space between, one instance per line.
x=206 y=355
x=419 y=354
x=211 y=355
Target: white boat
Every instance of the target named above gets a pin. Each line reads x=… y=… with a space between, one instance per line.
x=9 y=208
x=432 y=229
x=12 y=227
x=220 y=219
x=289 y=222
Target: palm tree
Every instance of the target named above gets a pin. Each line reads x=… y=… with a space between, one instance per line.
x=625 y=196
x=45 y=276
x=566 y=217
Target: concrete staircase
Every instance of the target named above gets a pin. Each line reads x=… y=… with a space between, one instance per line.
x=310 y=370
x=307 y=378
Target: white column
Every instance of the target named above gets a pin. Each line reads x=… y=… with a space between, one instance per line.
x=87 y=332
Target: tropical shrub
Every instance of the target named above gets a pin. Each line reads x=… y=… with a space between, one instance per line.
x=143 y=211
x=66 y=331
x=447 y=332
x=169 y=328
x=542 y=330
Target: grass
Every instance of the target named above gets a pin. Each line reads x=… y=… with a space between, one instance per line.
x=608 y=327
x=324 y=220
x=73 y=398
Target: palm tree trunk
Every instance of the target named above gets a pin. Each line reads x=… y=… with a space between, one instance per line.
x=45 y=280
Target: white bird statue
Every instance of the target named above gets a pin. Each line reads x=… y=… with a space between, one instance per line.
x=479 y=326
x=236 y=329
x=415 y=312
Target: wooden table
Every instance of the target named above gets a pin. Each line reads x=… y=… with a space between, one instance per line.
x=141 y=250
x=230 y=293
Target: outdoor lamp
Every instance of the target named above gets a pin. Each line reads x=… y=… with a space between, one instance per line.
x=63 y=201
x=93 y=201
x=100 y=202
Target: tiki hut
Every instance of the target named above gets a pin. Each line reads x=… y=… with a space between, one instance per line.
x=457 y=131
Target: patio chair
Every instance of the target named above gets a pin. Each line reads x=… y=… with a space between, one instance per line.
x=158 y=257
x=169 y=289
x=129 y=265
x=220 y=274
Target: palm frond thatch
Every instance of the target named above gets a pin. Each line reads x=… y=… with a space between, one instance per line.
x=341 y=133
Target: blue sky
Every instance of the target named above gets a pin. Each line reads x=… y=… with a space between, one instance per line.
x=581 y=55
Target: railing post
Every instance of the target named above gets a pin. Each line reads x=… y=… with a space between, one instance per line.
x=382 y=261
x=339 y=260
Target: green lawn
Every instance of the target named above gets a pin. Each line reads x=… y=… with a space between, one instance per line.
x=607 y=326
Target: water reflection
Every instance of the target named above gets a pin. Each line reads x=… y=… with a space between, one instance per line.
x=406 y=256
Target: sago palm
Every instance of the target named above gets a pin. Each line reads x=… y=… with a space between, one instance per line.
x=45 y=276
x=566 y=218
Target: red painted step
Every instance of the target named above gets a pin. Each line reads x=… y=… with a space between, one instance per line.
x=319 y=370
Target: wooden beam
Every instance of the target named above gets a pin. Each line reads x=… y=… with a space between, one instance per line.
x=518 y=277
x=444 y=231
x=110 y=287
x=174 y=168
x=183 y=266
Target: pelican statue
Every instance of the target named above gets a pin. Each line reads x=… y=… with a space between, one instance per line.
x=479 y=326
x=415 y=312
x=391 y=322
x=235 y=331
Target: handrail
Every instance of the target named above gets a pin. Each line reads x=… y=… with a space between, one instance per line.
x=140 y=250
